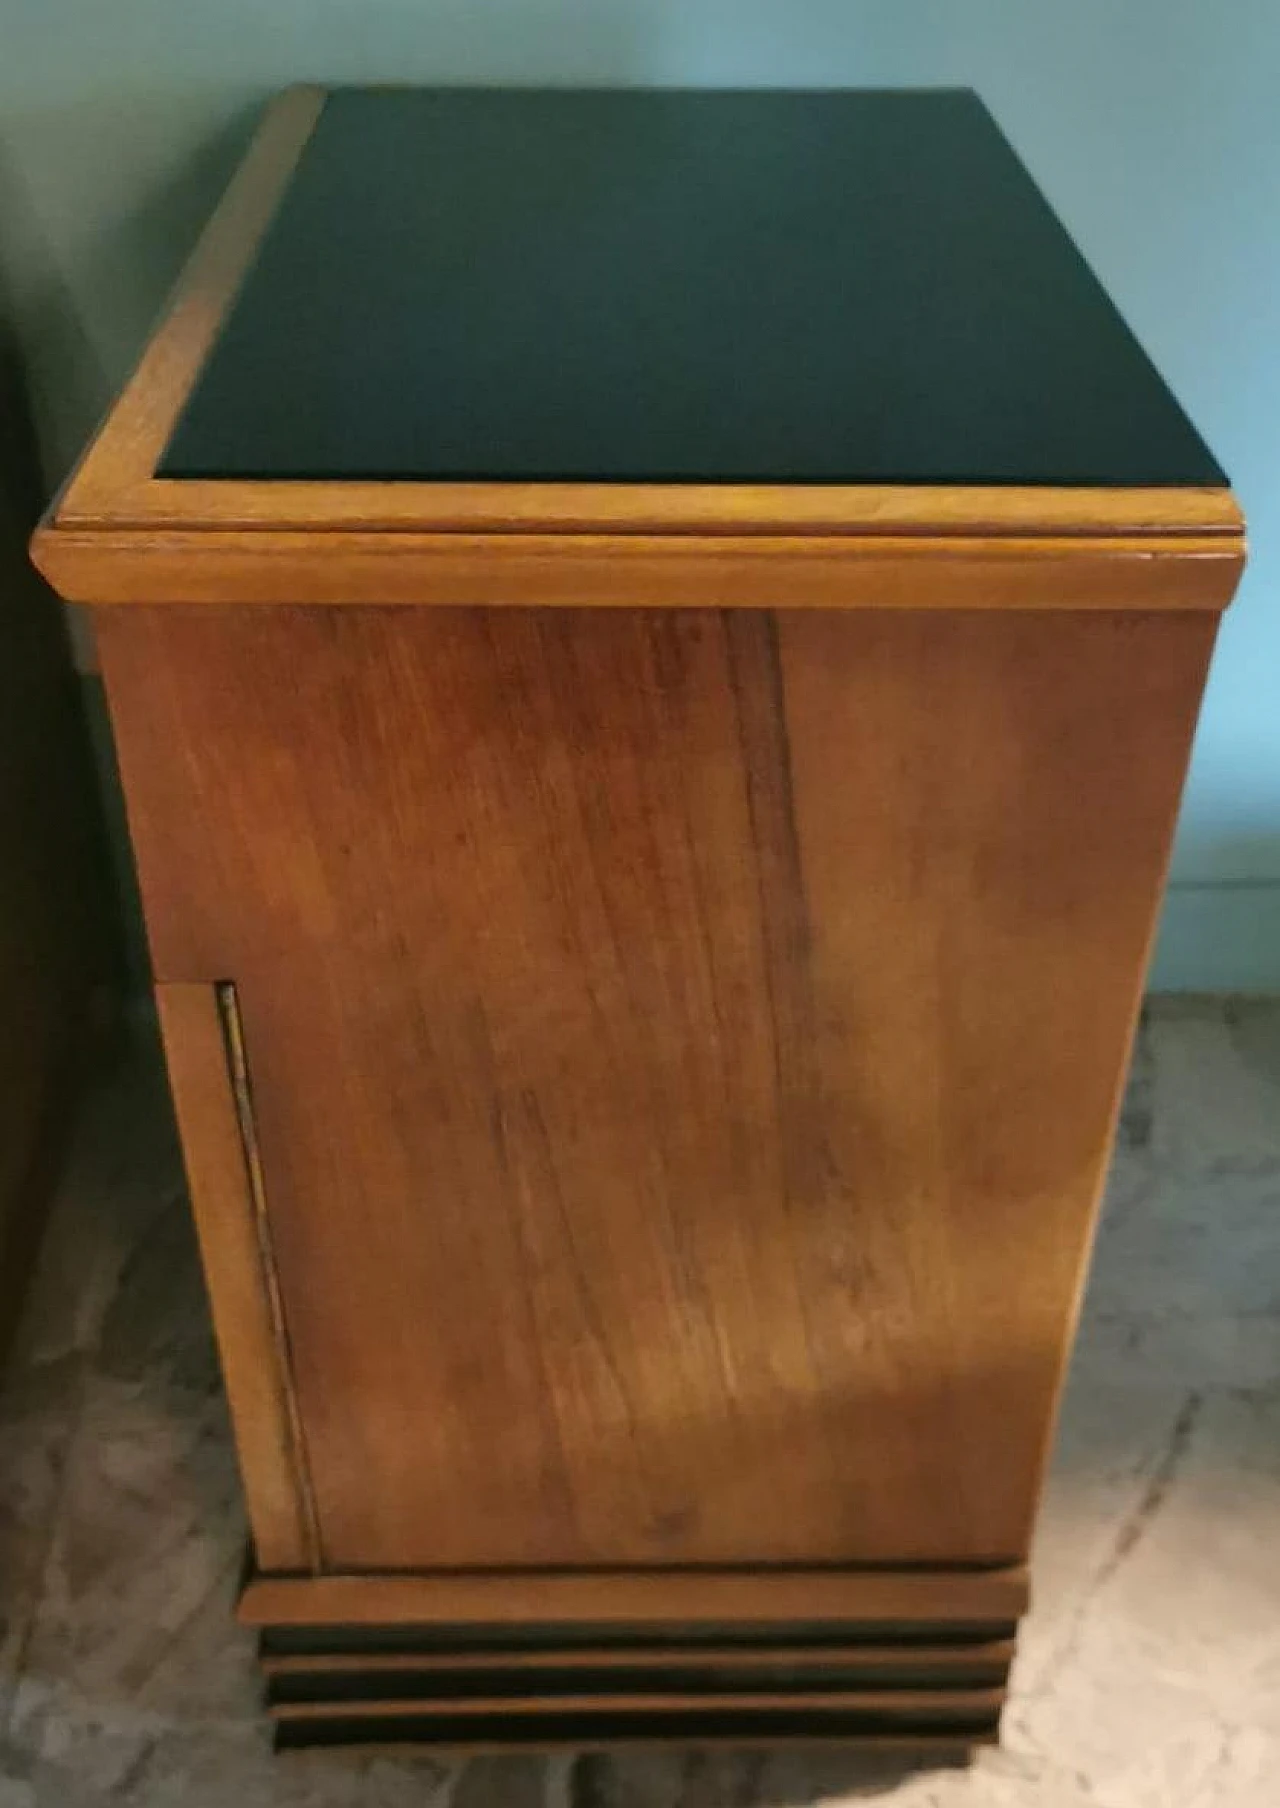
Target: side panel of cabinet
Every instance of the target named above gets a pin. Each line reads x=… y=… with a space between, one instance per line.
x=684 y=1048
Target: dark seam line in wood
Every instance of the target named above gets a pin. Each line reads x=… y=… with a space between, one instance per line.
x=238 y=1067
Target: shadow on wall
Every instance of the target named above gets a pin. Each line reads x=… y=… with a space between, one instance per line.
x=103 y=194
x=1223 y=931
x=44 y=338
x=71 y=330
x=57 y=946
x=45 y=644
x=80 y=309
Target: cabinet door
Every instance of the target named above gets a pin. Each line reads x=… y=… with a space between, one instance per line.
x=681 y=1049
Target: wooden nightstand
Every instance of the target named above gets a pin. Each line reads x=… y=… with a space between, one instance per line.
x=653 y=639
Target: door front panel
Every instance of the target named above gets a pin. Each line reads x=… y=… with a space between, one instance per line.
x=682 y=1049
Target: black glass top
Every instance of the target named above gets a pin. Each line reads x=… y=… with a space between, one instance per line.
x=648 y=285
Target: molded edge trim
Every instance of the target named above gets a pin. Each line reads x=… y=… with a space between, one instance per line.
x=117 y=533
x=640 y=570
x=921 y=1596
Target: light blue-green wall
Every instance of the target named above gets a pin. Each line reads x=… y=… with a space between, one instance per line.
x=1154 y=126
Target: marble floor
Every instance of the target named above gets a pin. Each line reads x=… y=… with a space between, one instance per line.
x=1149 y=1674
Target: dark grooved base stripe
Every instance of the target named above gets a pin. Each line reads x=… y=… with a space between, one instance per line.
x=479 y=1688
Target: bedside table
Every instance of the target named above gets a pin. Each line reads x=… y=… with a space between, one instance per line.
x=653 y=639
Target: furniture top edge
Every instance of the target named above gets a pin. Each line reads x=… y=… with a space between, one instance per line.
x=122 y=454
x=1189 y=570
x=924 y=512
x=114 y=486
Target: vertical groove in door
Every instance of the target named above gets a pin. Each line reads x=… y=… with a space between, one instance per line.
x=238 y=1068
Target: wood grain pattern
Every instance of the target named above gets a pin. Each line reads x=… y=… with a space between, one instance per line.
x=583 y=1733
x=121 y=566
x=975 y=1663
x=651 y=1057
x=935 y=511
x=884 y=1704
x=621 y=508
x=636 y=1598
x=237 y=1268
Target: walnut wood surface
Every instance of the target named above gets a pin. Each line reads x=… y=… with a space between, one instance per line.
x=885 y=1704
x=973 y=1663
x=763 y=570
x=236 y=1253
x=761 y=1597
x=927 y=511
x=684 y=1048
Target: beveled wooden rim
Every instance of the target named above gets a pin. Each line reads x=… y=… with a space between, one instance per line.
x=829 y=1595
x=992 y=1656
x=115 y=531
x=892 y=1704
x=601 y=570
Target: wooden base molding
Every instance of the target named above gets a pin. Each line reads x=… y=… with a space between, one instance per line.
x=918 y=1597
x=914 y=1659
